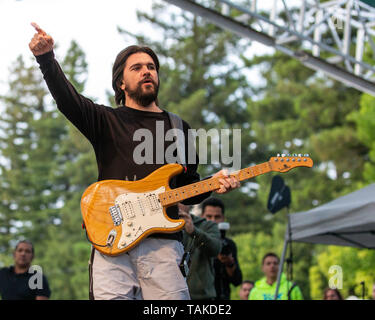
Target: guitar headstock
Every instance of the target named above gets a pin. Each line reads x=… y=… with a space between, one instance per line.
x=286 y=162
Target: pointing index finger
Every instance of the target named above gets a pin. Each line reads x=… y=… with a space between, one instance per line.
x=37 y=28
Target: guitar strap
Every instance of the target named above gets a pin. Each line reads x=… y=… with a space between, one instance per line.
x=177 y=126
x=176 y=123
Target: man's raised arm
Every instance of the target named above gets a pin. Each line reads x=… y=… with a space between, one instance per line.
x=41 y=43
x=82 y=112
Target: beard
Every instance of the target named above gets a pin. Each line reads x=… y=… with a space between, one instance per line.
x=141 y=96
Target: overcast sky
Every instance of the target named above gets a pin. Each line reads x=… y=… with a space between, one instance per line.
x=92 y=23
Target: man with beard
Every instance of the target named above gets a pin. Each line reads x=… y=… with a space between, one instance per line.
x=151 y=269
x=19 y=282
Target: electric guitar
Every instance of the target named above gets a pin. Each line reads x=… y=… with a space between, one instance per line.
x=118 y=214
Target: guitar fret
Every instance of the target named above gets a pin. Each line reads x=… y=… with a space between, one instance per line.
x=188 y=192
x=171 y=196
x=256 y=170
x=182 y=193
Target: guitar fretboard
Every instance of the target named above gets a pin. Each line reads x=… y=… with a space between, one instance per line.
x=179 y=194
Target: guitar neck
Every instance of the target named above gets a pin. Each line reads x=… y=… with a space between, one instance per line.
x=174 y=196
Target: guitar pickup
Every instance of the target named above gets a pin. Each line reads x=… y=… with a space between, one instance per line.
x=116 y=215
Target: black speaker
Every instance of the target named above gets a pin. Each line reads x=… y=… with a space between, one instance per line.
x=279 y=195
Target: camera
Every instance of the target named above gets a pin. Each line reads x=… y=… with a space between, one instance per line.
x=225 y=246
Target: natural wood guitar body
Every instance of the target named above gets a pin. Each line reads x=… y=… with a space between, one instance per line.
x=100 y=196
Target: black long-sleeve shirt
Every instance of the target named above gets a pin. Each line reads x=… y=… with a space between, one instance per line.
x=111 y=133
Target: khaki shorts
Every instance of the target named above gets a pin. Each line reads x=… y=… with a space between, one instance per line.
x=150 y=271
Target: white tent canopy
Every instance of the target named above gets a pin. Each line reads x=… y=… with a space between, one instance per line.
x=346 y=221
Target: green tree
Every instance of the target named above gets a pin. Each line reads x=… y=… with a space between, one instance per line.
x=253 y=246
x=302 y=113
x=46 y=165
x=355 y=265
x=365 y=121
x=30 y=133
x=68 y=251
x=299 y=111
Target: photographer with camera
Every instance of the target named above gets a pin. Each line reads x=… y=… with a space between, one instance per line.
x=227 y=268
x=201 y=240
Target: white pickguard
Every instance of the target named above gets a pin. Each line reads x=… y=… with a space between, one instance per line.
x=141 y=212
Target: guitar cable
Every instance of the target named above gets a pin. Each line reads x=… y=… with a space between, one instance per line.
x=87 y=237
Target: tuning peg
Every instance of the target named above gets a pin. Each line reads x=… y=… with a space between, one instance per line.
x=283 y=154
x=278 y=154
x=306 y=155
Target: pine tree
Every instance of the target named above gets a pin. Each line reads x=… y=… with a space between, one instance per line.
x=365 y=129
x=46 y=165
x=68 y=251
x=30 y=130
x=304 y=113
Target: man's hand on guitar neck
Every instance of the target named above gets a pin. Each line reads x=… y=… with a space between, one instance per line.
x=227 y=182
x=41 y=43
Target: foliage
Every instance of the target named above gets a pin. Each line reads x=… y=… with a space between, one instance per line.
x=45 y=169
x=253 y=246
x=365 y=120
x=356 y=266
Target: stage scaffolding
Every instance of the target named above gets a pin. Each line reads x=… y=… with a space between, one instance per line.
x=334 y=37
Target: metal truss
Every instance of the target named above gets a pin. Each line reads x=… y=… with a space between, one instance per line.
x=330 y=37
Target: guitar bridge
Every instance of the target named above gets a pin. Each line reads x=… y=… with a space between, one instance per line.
x=116 y=215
